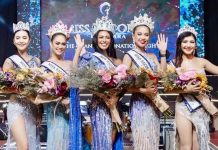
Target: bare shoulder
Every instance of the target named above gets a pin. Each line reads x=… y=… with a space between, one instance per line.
x=201 y=60
x=152 y=55
x=68 y=62
x=117 y=61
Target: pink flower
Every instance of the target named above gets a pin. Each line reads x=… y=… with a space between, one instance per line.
x=116 y=79
x=187 y=75
x=121 y=71
x=106 y=77
x=49 y=84
x=101 y=72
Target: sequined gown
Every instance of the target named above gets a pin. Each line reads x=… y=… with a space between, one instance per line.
x=57 y=125
x=199 y=118
x=24 y=108
x=100 y=114
x=145 y=122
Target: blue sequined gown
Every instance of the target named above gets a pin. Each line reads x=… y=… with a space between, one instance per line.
x=145 y=122
x=24 y=108
x=100 y=114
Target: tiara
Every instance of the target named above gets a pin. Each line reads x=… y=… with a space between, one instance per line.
x=103 y=24
x=59 y=27
x=21 y=26
x=142 y=20
x=187 y=28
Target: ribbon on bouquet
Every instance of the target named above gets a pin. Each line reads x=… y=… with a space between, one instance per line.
x=162 y=105
x=206 y=102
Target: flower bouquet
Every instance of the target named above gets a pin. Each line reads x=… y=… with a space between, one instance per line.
x=7 y=80
x=177 y=81
x=103 y=80
x=31 y=82
x=104 y=83
x=146 y=78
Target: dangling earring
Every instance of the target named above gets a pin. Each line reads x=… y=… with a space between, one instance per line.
x=194 y=51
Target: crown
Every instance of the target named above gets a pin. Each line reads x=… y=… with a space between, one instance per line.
x=142 y=20
x=187 y=28
x=59 y=27
x=103 y=24
x=21 y=26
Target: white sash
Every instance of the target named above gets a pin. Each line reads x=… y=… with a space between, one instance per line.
x=191 y=102
x=105 y=60
x=54 y=68
x=20 y=62
x=139 y=60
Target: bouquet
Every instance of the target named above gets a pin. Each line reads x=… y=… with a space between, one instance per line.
x=146 y=78
x=30 y=82
x=6 y=82
x=103 y=80
x=177 y=81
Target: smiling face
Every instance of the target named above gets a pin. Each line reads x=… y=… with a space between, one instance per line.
x=58 y=44
x=141 y=36
x=188 y=45
x=21 y=40
x=104 y=40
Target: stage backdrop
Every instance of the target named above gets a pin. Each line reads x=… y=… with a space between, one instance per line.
x=81 y=14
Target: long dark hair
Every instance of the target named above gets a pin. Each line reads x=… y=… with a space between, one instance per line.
x=179 y=52
x=111 y=51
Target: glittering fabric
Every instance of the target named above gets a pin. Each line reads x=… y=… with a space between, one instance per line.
x=25 y=109
x=75 y=135
x=200 y=119
x=145 y=123
x=57 y=126
x=100 y=115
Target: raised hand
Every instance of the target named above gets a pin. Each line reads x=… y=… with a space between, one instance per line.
x=162 y=43
x=79 y=42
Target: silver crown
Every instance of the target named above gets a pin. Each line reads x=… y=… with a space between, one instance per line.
x=59 y=27
x=142 y=20
x=21 y=26
x=103 y=24
x=187 y=28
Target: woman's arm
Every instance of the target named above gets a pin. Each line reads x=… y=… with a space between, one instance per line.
x=8 y=64
x=209 y=66
x=80 y=47
x=162 y=46
x=127 y=61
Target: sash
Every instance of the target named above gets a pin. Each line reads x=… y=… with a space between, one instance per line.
x=54 y=68
x=20 y=62
x=139 y=60
x=107 y=62
x=191 y=102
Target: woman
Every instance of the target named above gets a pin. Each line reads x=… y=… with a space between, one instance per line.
x=145 y=122
x=196 y=123
x=104 y=116
x=21 y=113
x=57 y=116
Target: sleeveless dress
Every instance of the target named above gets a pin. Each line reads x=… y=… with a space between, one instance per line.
x=57 y=125
x=199 y=118
x=24 y=108
x=145 y=121
x=100 y=114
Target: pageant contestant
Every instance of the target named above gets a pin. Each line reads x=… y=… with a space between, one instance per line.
x=21 y=113
x=105 y=128
x=196 y=123
x=145 y=122
x=57 y=117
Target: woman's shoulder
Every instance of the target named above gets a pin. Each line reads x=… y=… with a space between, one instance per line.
x=117 y=61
